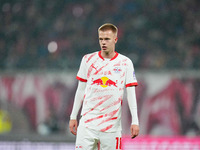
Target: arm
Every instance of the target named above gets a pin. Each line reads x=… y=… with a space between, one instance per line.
x=77 y=105
x=133 y=109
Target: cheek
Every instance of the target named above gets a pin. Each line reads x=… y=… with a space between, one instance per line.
x=114 y=42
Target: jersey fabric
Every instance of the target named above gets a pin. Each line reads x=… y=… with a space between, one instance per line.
x=106 y=80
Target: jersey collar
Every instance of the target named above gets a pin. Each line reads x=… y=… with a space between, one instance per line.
x=116 y=54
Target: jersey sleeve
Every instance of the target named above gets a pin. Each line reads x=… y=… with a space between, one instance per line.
x=130 y=75
x=82 y=73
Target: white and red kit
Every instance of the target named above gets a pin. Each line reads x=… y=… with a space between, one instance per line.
x=105 y=82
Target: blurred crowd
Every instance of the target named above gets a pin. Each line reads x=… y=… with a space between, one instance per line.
x=156 y=34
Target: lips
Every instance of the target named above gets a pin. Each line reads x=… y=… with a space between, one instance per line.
x=104 y=47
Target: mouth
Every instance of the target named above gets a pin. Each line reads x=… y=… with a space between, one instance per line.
x=104 y=47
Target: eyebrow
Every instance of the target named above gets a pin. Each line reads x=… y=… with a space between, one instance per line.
x=104 y=38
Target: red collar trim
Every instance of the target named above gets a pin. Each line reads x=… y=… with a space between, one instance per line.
x=100 y=55
x=116 y=54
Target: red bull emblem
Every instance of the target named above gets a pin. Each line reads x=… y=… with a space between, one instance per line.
x=104 y=82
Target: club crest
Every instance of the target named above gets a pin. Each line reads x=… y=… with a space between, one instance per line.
x=117 y=70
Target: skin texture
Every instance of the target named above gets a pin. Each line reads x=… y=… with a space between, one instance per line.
x=73 y=126
x=107 y=41
x=134 y=131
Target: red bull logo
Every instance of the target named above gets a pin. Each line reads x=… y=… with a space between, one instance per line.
x=104 y=82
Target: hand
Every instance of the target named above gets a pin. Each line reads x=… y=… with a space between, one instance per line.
x=134 y=131
x=73 y=126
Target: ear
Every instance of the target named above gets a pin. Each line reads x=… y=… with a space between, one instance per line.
x=116 y=39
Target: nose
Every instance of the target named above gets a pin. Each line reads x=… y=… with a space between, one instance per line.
x=103 y=42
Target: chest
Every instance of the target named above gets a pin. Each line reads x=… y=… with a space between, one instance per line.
x=116 y=69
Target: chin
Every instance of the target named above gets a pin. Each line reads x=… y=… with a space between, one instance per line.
x=105 y=50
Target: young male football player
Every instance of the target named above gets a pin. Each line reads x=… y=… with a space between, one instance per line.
x=103 y=77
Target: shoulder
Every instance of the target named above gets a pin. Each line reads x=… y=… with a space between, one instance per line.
x=90 y=57
x=124 y=58
x=86 y=56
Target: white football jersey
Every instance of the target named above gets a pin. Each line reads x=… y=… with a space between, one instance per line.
x=106 y=80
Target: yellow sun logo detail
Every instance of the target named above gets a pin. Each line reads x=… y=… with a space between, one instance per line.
x=104 y=79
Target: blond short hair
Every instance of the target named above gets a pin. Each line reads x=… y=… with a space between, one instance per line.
x=108 y=26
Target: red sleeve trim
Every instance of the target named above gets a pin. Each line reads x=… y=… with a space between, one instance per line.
x=81 y=79
x=132 y=84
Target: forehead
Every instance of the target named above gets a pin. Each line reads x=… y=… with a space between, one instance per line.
x=106 y=33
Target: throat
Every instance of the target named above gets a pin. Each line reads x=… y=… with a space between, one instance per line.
x=108 y=55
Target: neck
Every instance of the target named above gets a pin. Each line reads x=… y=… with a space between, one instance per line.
x=108 y=54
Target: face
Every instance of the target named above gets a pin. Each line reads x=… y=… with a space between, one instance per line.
x=107 y=41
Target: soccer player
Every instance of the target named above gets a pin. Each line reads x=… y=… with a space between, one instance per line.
x=103 y=77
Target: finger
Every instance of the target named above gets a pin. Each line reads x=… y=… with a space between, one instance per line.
x=134 y=133
x=76 y=127
x=137 y=132
x=72 y=130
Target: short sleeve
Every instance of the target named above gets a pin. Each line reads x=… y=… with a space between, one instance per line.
x=130 y=75
x=82 y=73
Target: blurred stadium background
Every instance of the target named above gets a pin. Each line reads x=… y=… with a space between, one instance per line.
x=41 y=46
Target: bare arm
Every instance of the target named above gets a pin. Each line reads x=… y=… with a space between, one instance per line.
x=77 y=105
x=133 y=109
